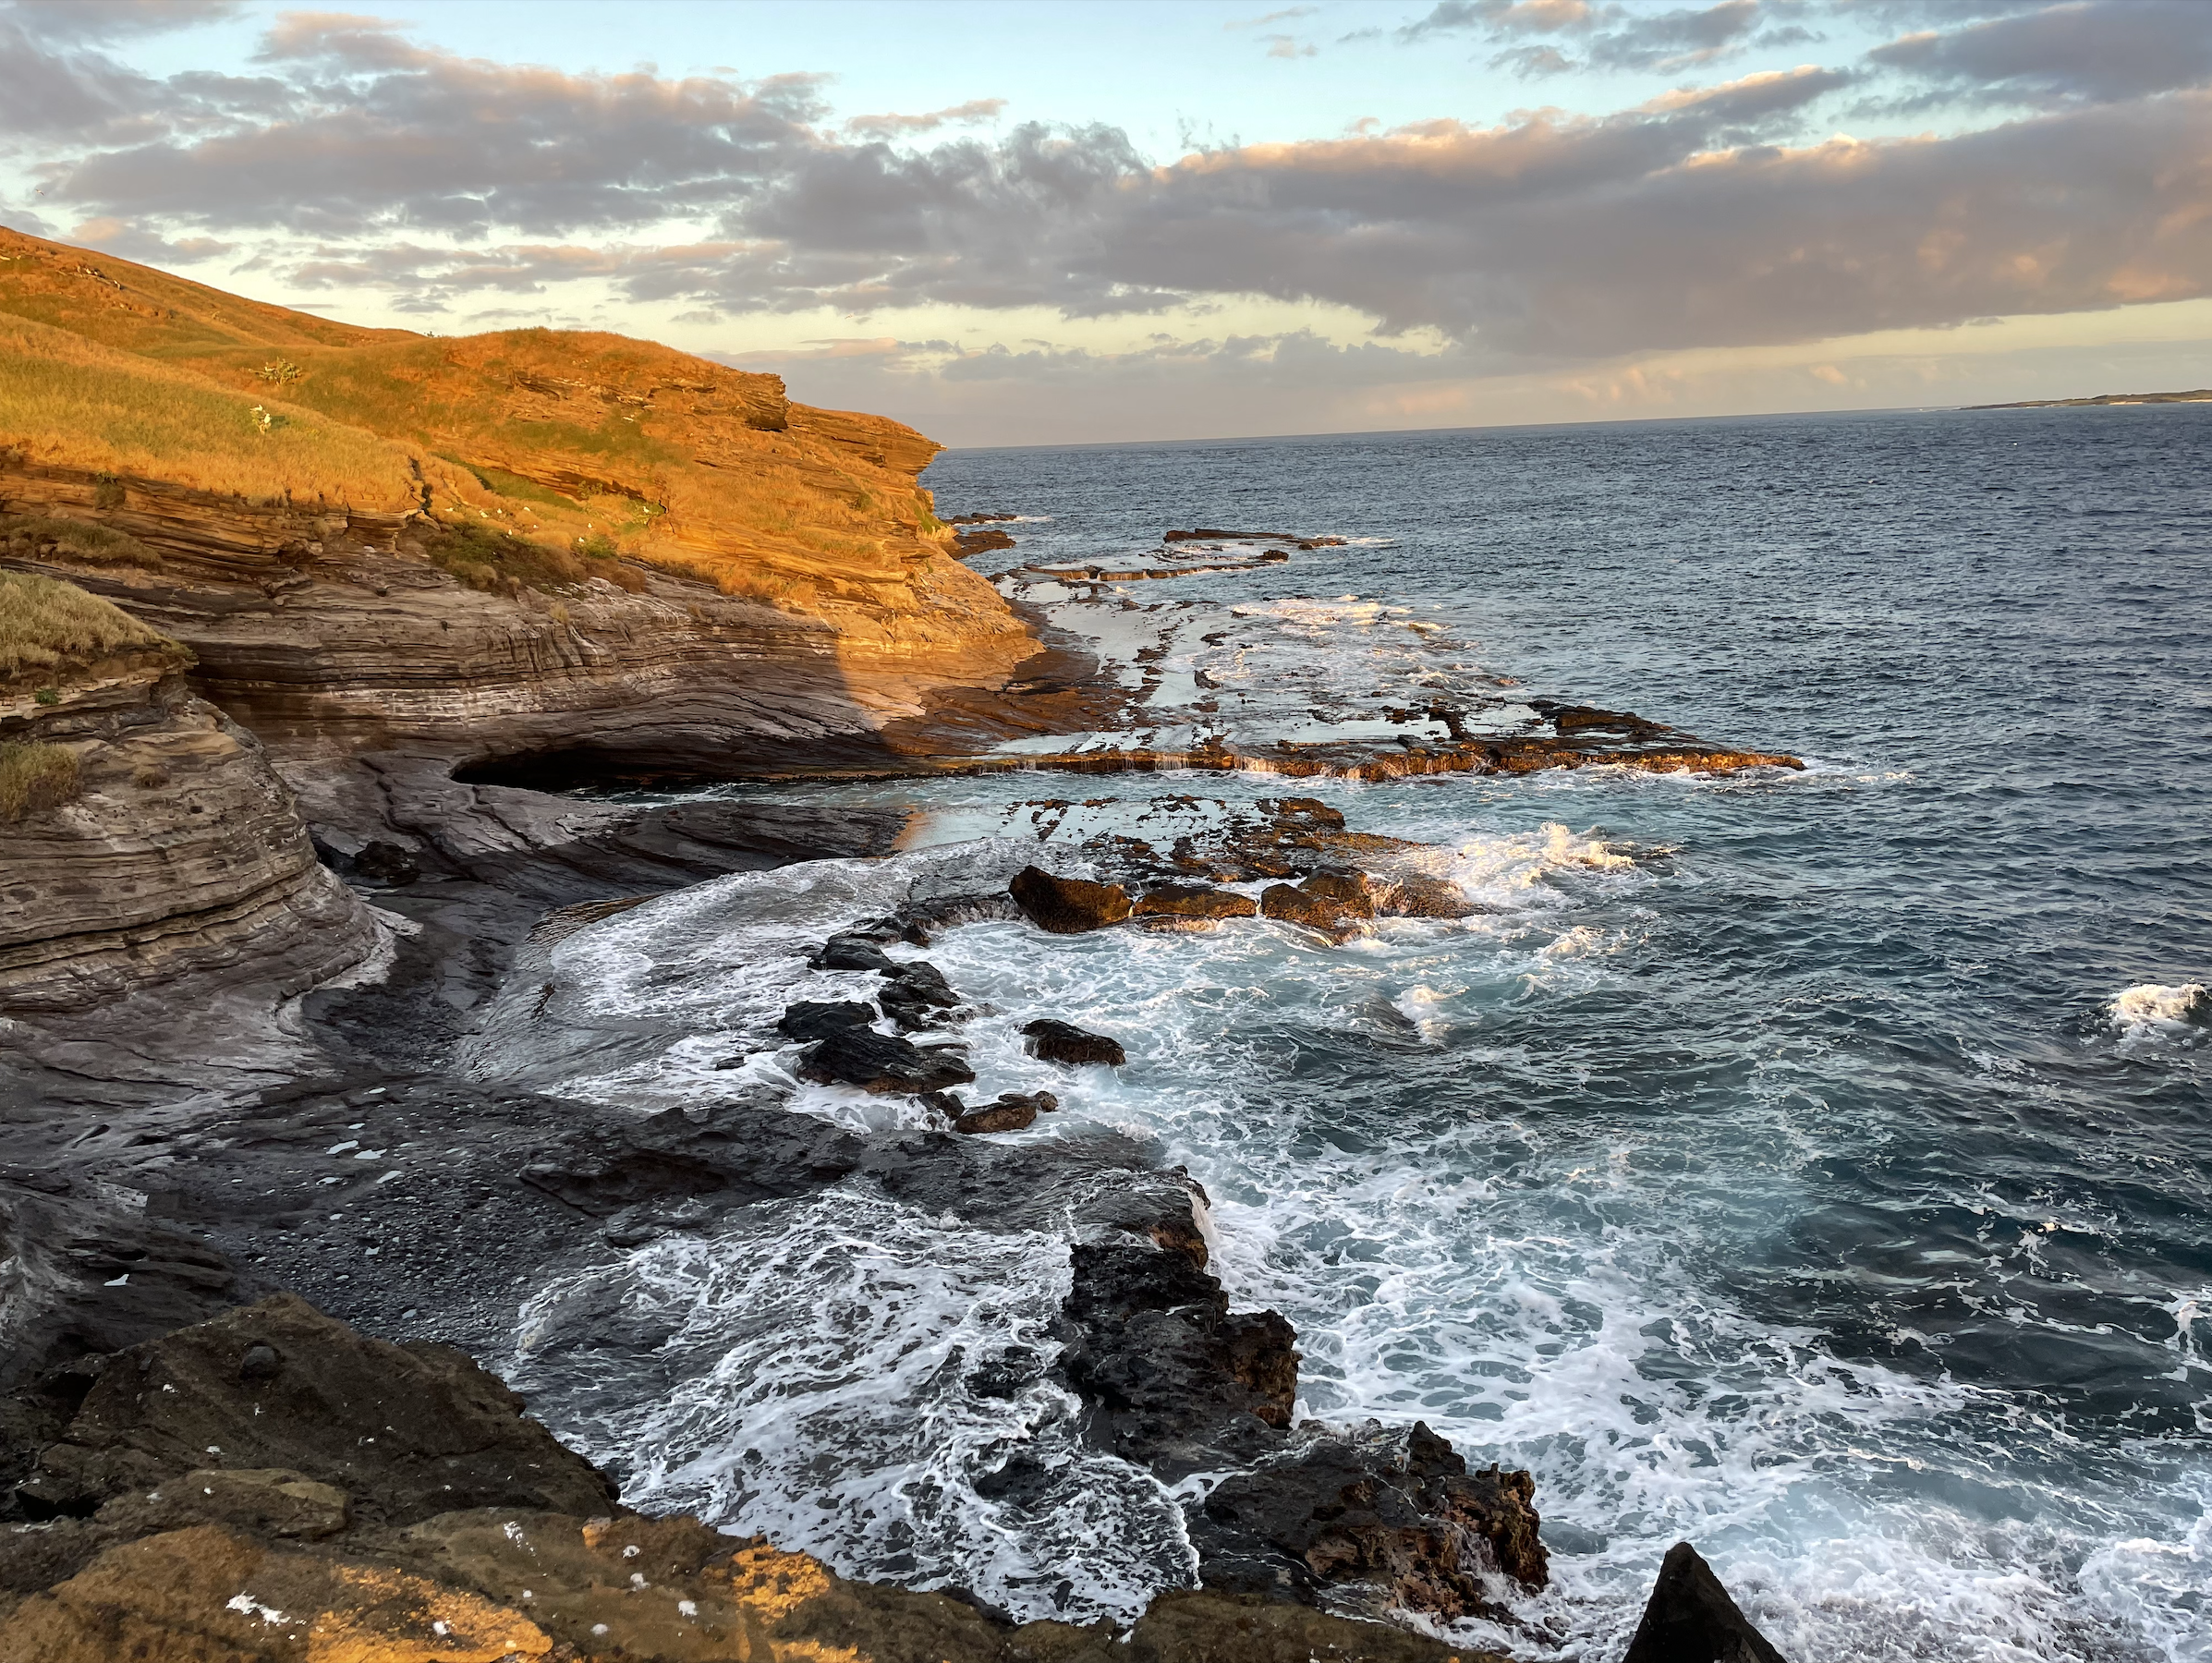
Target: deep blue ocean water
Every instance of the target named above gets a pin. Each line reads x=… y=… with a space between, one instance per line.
x=1816 y=1166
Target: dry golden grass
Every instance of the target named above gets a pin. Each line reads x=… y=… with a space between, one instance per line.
x=35 y=777
x=76 y=402
x=48 y=628
x=580 y=443
x=86 y=541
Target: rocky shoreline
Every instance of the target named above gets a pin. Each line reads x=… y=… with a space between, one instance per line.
x=308 y=923
x=124 y=1230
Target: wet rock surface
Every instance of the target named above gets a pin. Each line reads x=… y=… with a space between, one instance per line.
x=1068 y=905
x=1397 y=1518
x=1063 y=1042
x=1191 y=905
x=1691 y=1619
x=1013 y=1111
x=882 y=1062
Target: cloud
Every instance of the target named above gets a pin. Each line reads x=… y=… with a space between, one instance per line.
x=1613 y=37
x=1535 y=17
x=1286 y=15
x=971 y=114
x=1287 y=46
x=150 y=247
x=2088 y=51
x=1706 y=217
x=76 y=21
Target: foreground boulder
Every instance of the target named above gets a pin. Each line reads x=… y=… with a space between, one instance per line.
x=1691 y=1619
x=1064 y=1042
x=876 y=1062
x=1067 y=905
x=1408 y=1526
x=406 y=1431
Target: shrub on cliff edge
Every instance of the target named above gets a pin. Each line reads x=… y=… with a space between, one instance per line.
x=34 y=777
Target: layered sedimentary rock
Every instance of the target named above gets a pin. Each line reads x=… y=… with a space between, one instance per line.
x=336 y=633
x=180 y=855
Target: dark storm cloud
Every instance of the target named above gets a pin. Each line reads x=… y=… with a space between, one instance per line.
x=2095 y=50
x=1699 y=218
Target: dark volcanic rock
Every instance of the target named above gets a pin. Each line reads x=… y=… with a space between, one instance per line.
x=1419 y=895
x=878 y=1063
x=408 y=1431
x=1013 y=1111
x=1408 y=1524
x=732 y=1154
x=1332 y=902
x=1174 y=1380
x=914 y=993
x=1690 y=1619
x=819 y=1018
x=1067 y=905
x=852 y=952
x=1063 y=1042
x=1191 y=905
x=982 y=542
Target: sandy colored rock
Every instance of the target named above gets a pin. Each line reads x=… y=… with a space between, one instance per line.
x=1067 y=905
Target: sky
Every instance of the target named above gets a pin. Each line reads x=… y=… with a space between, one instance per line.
x=1009 y=222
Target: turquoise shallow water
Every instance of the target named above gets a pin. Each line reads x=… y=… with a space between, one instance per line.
x=1812 y=1165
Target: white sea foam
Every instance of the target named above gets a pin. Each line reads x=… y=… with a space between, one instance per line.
x=867 y=1384
x=2151 y=1012
x=1535 y=1287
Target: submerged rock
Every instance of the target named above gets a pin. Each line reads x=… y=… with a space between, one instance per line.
x=1691 y=1619
x=852 y=952
x=1067 y=905
x=1332 y=902
x=880 y=1062
x=1419 y=895
x=1014 y=1110
x=1064 y=1042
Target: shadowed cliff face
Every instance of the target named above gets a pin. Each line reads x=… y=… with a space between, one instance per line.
x=169 y=851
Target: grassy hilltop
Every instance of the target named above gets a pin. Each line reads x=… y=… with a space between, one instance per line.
x=554 y=447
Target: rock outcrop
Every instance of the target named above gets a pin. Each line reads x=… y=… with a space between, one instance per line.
x=1691 y=1619
x=271 y=1487
x=177 y=858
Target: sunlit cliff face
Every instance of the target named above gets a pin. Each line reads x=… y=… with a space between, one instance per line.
x=1562 y=210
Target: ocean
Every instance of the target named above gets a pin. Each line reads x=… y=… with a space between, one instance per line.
x=1816 y=1166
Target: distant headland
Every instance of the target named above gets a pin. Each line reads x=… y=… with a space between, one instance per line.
x=2202 y=395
